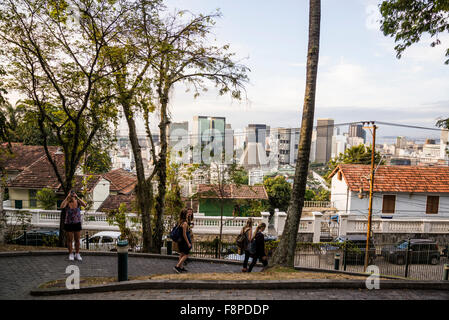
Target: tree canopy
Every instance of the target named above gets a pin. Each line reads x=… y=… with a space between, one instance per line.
x=408 y=20
x=357 y=154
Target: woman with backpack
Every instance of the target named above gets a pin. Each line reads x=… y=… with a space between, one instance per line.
x=184 y=244
x=257 y=247
x=190 y=224
x=247 y=233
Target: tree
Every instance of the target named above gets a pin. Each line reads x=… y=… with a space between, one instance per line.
x=183 y=56
x=285 y=252
x=47 y=198
x=279 y=193
x=408 y=20
x=443 y=123
x=54 y=51
x=219 y=188
x=357 y=154
x=131 y=56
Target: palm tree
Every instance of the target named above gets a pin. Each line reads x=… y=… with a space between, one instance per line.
x=285 y=253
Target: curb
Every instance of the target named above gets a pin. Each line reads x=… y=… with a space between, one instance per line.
x=114 y=254
x=245 y=285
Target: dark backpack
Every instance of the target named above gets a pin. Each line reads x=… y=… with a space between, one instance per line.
x=176 y=233
x=241 y=239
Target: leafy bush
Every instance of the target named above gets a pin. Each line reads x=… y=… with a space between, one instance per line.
x=47 y=198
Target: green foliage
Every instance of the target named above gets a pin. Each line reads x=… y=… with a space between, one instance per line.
x=119 y=218
x=46 y=198
x=443 y=123
x=357 y=154
x=98 y=160
x=279 y=192
x=408 y=20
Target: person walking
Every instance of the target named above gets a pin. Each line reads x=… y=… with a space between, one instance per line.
x=247 y=232
x=190 y=225
x=185 y=243
x=72 y=223
x=259 y=252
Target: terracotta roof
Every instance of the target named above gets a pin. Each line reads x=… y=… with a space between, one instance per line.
x=40 y=174
x=121 y=180
x=233 y=192
x=410 y=179
x=113 y=202
x=23 y=156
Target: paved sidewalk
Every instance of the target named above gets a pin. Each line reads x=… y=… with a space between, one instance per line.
x=18 y=275
x=287 y=294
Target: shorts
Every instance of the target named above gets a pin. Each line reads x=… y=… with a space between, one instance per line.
x=73 y=227
x=183 y=247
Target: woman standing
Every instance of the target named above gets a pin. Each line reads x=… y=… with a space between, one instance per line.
x=72 y=223
x=259 y=254
x=185 y=243
x=247 y=231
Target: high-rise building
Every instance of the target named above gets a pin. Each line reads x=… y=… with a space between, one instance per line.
x=324 y=130
x=356 y=130
x=255 y=153
x=178 y=141
x=284 y=145
x=208 y=138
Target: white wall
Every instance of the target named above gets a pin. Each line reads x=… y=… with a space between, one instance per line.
x=100 y=193
x=339 y=193
x=407 y=204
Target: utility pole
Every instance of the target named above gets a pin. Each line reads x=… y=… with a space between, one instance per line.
x=371 y=189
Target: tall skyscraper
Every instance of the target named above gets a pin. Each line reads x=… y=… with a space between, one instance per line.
x=255 y=151
x=356 y=130
x=324 y=132
x=208 y=138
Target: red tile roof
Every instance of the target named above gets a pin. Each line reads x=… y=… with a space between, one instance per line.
x=23 y=156
x=113 y=203
x=233 y=192
x=40 y=174
x=409 y=179
x=121 y=180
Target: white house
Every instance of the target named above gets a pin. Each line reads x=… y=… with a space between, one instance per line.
x=399 y=191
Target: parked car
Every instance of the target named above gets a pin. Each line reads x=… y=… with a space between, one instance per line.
x=37 y=238
x=421 y=251
x=355 y=250
x=104 y=240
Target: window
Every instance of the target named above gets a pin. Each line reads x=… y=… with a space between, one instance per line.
x=339 y=175
x=94 y=240
x=33 y=200
x=432 y=204
x=18 y=204
x=388 y=204
x=107 y=239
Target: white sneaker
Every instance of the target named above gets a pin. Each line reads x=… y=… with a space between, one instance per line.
x=71 y=257
x=78 y=257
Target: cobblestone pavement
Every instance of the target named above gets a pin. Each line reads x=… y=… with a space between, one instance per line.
x=288 y=294
x=18 y=275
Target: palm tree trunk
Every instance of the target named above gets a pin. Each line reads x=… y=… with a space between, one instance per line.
x=285 y=253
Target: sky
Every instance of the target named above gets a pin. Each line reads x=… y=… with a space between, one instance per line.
x=359 y=76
